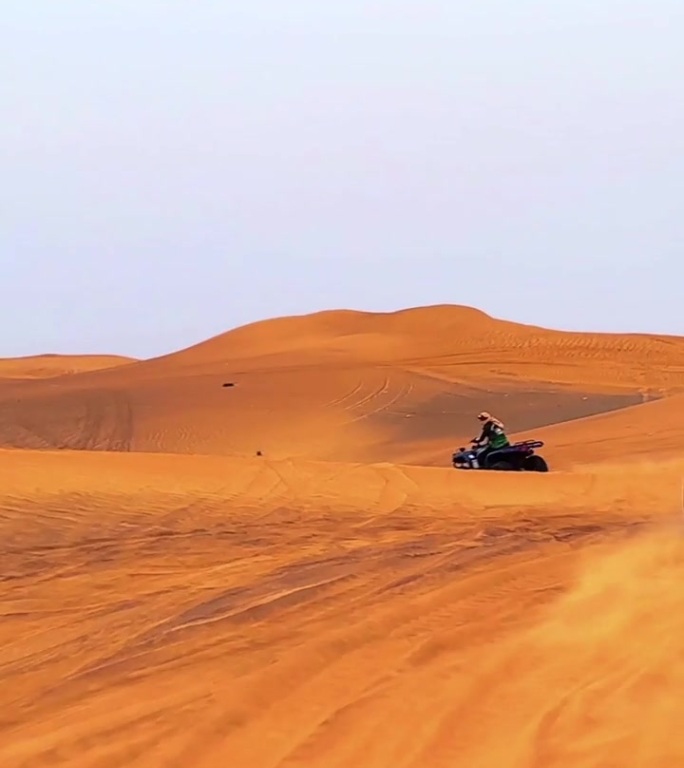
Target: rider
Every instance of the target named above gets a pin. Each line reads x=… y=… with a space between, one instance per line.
x=493 y=435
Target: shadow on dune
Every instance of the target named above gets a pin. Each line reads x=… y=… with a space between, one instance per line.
x=451 y=417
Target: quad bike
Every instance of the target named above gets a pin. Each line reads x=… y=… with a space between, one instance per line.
x=515 y=457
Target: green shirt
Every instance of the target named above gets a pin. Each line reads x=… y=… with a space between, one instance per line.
x=495 y=435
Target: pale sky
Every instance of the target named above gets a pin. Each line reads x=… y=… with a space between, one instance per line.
x=172 y=169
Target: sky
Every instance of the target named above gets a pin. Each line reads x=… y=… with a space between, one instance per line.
x=171 y=170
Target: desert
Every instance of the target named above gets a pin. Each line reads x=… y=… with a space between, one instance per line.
x=341 y=384
x=289 y=572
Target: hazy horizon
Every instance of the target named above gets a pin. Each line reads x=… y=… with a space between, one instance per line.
x=172 y=172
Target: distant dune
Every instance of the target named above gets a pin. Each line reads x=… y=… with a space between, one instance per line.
x=344 y=385
x=329 y=602
x=49 y=366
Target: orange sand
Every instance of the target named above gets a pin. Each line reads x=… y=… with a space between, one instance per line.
x=332 y=603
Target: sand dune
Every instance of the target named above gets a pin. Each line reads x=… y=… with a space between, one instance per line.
x=331 y=602
x=343 y=386
x=49 y=366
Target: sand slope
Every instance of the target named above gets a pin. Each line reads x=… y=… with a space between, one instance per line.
x=345 y=386
x=648 y=432
x=170 y=610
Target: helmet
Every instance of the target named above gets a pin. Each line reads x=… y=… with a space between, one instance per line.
x=484 y=416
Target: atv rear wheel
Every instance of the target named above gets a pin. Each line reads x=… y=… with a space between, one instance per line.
x=535 y=464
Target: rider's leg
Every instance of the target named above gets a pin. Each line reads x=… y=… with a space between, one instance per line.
x=482 y=455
